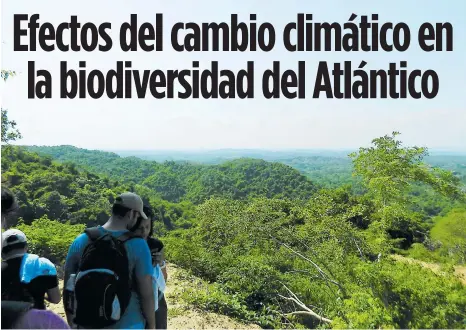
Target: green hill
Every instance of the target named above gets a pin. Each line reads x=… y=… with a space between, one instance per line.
x=269 y=247
x=178 y=181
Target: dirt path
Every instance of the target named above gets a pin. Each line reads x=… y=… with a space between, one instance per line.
x=460 y=271
x=180 y=315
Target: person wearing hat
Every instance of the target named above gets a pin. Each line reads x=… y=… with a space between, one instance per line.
x=139 y=313
x=26 y=277
x=22 y=314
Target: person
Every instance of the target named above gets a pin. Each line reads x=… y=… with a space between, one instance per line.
x=138 y=313
x=26 y=277
x=160 y=275
x=9 y=205
x=144 y=228
x=21 y=314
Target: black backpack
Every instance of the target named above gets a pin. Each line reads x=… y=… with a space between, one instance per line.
x=12 y=288
x=103 y=286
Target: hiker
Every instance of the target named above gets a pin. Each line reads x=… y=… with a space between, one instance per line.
x=145 y=229
x=108 y=268
x=26 y=277
x=21 y=314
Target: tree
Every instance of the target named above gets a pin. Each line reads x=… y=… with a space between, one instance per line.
x=388 y=171
x=9 y=130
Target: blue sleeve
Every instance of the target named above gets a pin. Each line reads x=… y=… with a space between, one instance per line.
x=142 y=258
x=74 y=254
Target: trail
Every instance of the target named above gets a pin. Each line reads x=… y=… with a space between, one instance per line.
x=460 y=271
x=181 y=315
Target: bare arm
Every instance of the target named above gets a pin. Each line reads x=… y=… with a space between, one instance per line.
x=53 y=295
x=71 y=266
x=164 y=272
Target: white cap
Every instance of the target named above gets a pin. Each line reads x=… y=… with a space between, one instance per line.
x=11 y=237
x=132 y=202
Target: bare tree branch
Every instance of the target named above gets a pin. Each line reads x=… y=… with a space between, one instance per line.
x=305 y=310
x=360 y=252
x=321 y=272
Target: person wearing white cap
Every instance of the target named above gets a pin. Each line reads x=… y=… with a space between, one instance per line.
x=22 y=314
x=92 y=265
x=25 y=276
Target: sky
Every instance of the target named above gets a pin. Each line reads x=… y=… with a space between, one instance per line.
x=174 y=124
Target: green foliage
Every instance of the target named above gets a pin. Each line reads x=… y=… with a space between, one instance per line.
x=9 y=130
x=393 y=294
x=251 y=249
x=59 y=191
x=180 y=181
x=450 y=233
x=49 y=238
x=213 y=298
x=258 y=232
x=389 y=171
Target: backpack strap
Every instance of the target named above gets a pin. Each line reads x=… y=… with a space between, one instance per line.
x=127 y=236
x=93 y=233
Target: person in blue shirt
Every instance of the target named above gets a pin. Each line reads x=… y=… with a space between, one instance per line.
x=140 y=311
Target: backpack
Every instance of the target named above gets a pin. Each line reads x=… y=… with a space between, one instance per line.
x=103 y=286
x=12 y=311
x=12 y=287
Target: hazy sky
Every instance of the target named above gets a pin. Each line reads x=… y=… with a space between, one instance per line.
x=258 y=123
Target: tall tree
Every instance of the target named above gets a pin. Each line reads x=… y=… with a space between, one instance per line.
x=388 y=171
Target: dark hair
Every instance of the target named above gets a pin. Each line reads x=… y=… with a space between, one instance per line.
x=9 y=203
x=154 y=244
x=148 y=212
x=119 y=210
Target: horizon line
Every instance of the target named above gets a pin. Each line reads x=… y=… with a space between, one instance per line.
x=197 y=150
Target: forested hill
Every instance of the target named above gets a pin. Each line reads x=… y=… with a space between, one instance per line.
x=174 y=182
x=338 y=259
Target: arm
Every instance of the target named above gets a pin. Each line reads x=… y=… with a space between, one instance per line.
x=164 y=271
x=71 y=266
x=147 y=300
x=48 y=281
x=159 y=258
x=53 y=295
x=143 y=274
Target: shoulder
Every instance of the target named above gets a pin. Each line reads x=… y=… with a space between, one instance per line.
x=78 y=245
x=81 y=239
x=46 y=267
x=137 y=242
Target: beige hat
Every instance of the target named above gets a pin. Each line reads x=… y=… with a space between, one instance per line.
x=131 y=201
